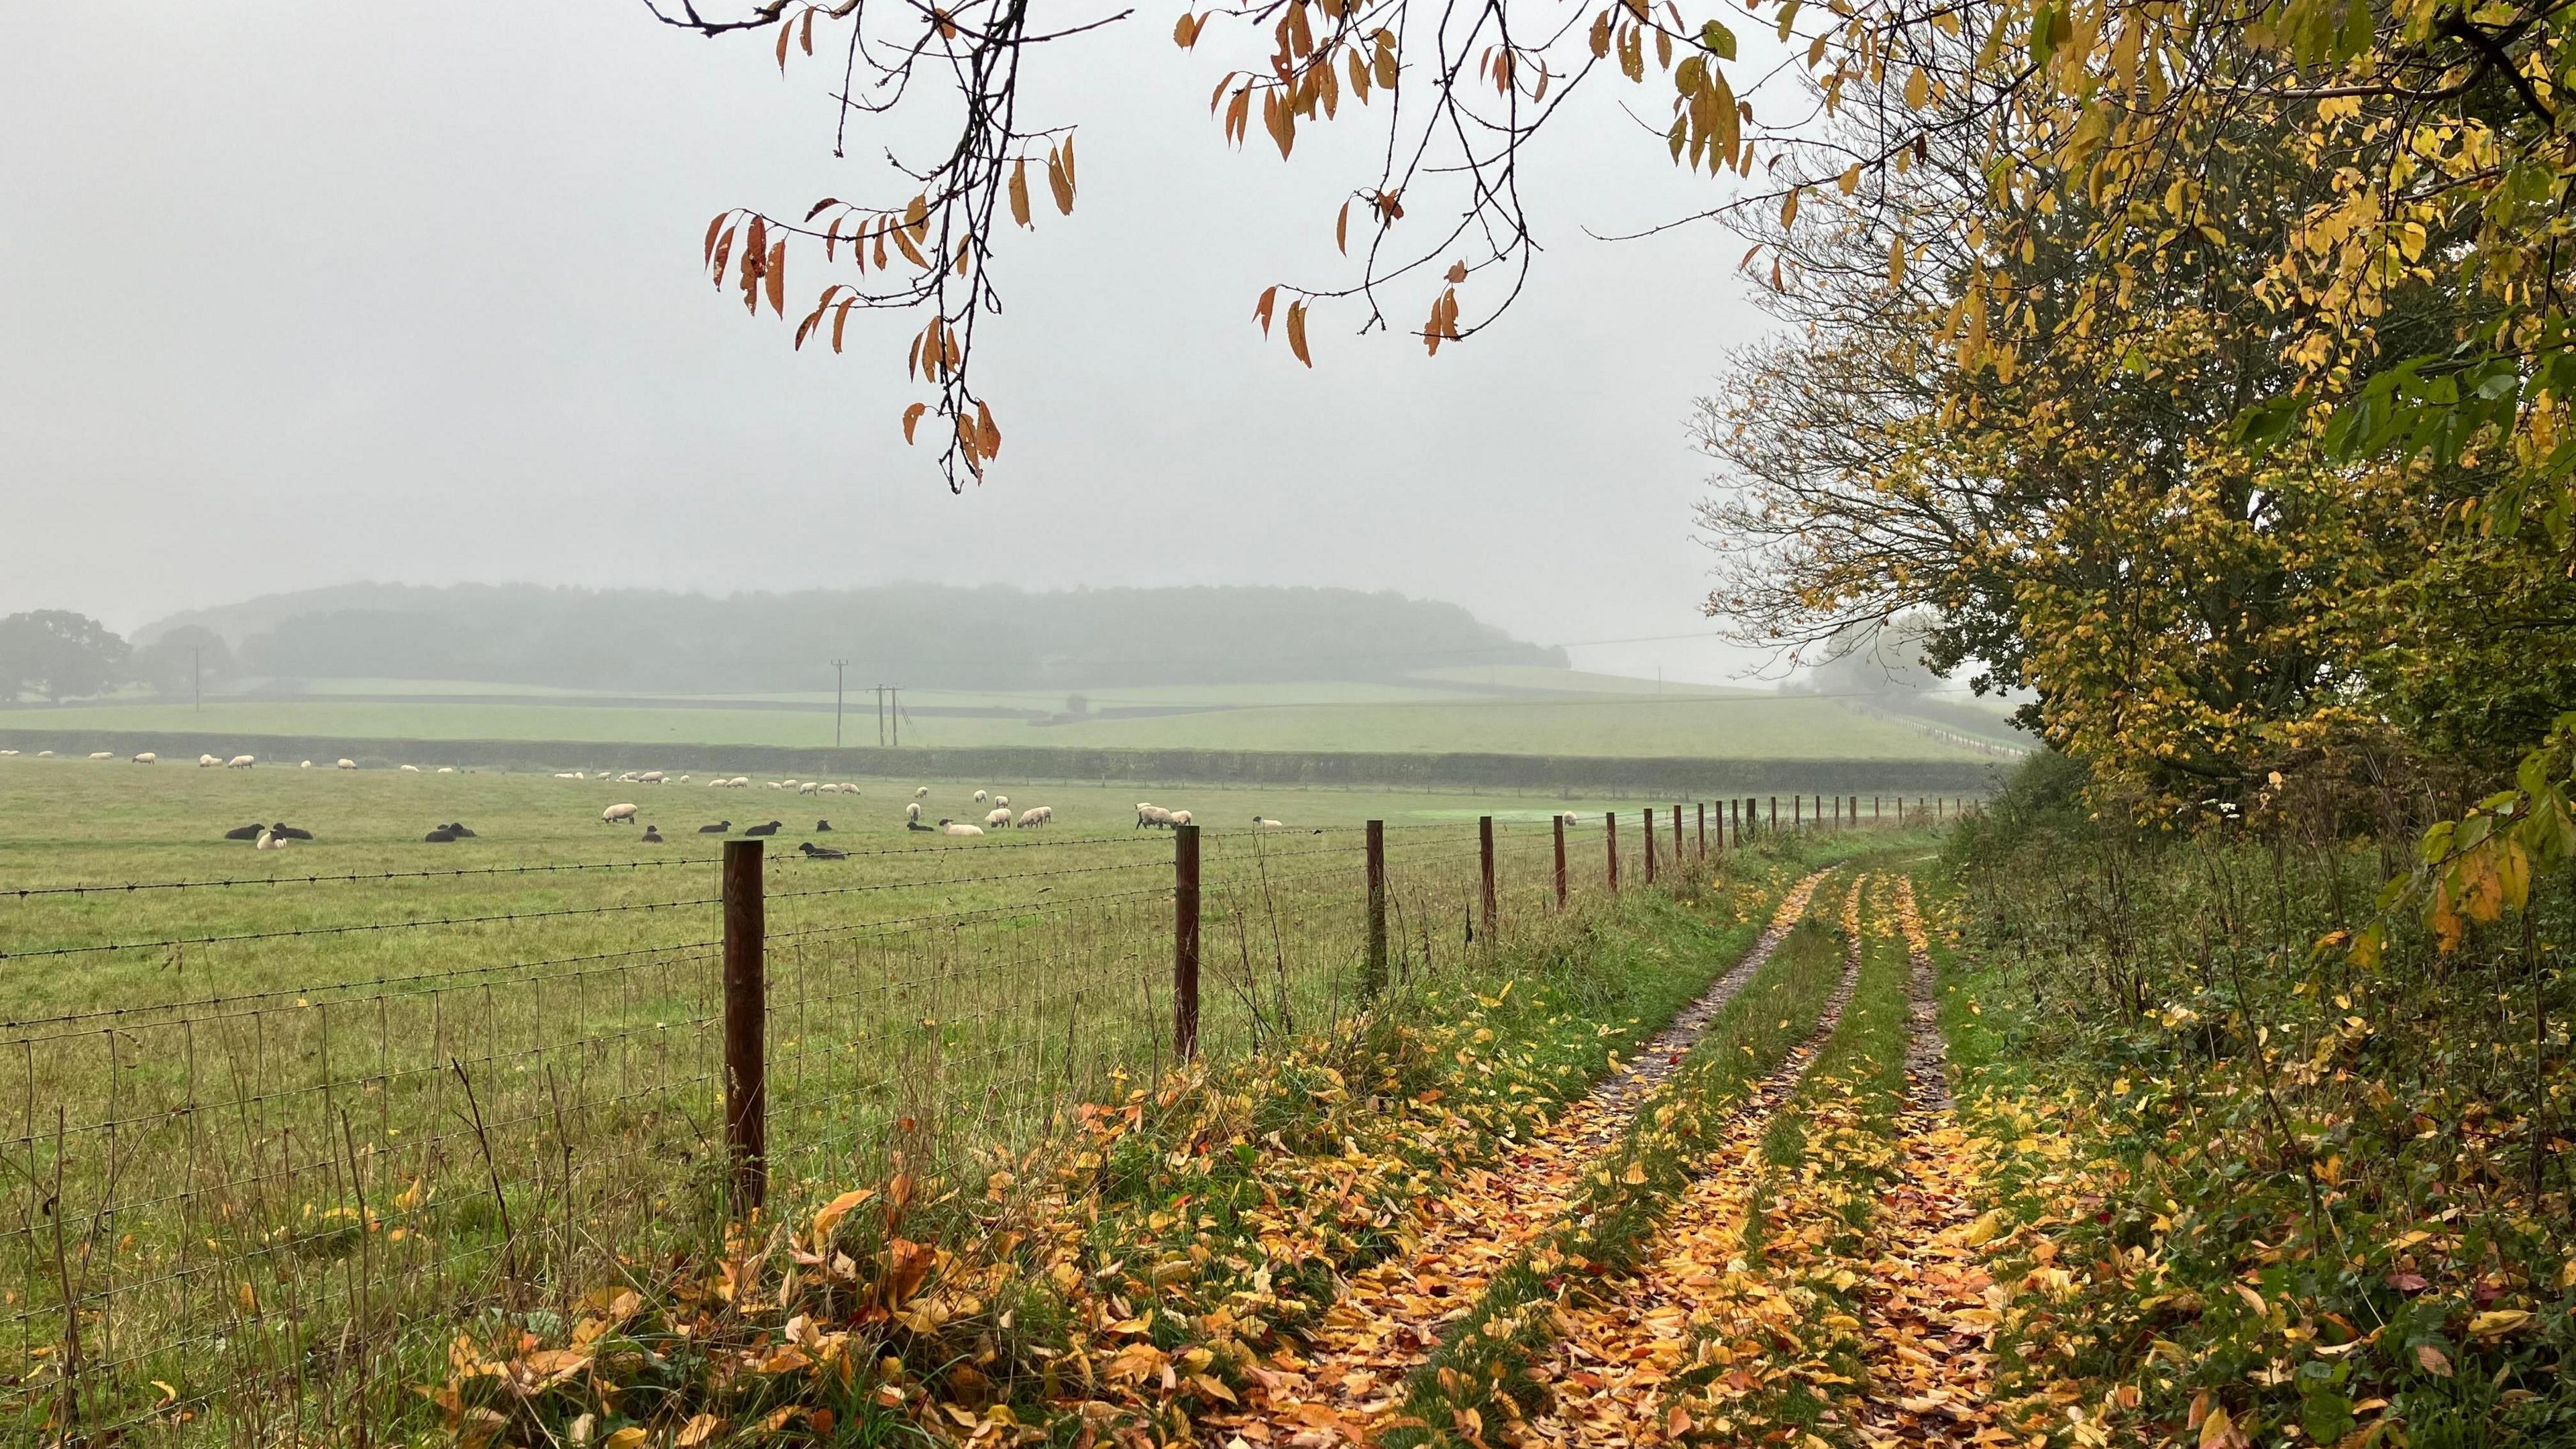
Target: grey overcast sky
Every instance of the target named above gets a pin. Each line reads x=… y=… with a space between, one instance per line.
x=296 y=294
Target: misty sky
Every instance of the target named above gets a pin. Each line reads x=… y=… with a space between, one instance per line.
x=296 y=294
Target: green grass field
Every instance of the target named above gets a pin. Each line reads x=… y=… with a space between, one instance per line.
x=1586 y=715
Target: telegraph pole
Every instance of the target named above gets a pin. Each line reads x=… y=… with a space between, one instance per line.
x=837 y=666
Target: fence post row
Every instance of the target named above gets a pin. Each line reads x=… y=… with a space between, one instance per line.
x=1185 y=942
x=1560 y=860
x=1485 y=866
x=746 y=1024
x=1610 y=844
x=1373 y=977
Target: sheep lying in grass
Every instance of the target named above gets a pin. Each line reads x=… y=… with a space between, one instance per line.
x=1263 y=823
x=409 y=769
x=955 y=827
x=102 y=754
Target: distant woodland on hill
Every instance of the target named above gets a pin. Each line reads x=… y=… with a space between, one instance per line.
x=919 y=635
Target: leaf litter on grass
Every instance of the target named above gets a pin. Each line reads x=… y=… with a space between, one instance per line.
x=1391 y=1316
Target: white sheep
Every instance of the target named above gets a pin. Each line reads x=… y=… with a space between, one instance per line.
x=912 y=812
x=626 y=779
x=147 y=758
x=308 y=764
x=567 y=774
x=1152 y=816
x=718 y=784
x=206 y=761
x=617 y=815
x=270 y=840
x=740 y=782
x=1004 y=801
x=1263 y=823
x=344 y=764
x=953 y=827
x=102 y=754
x=411 y=769
x=44 y=754
x=447 y=769
x=809 y=788
x=999 y=820
x=8 y=752
x=979 y=797
x=1033 y=817
x=650 y=777
x=1046 y=813
x=1179 y=817
x=241 y=762
x=921 y=794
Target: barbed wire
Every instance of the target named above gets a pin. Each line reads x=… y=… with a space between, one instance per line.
x=354 y=929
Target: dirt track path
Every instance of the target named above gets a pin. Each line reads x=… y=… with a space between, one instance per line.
x=1392 y=1316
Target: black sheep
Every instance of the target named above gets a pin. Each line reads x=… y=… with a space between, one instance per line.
x=459 y=831
x=915 y=825
x=440 y=836
x=289 y=832
x=821 y=852
x=652 y=835
x=246 y=832
x=822 y=825
x=719 y=828
x=770 y=829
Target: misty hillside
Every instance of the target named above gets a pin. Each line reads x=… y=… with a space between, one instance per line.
x=918 y=635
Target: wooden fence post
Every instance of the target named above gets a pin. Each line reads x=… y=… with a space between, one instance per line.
x=1797 y=812
x=1373 y=976
x=1734 y=817
x=1677 y=837
x=1646 y=833
x=746 y=1027
x=1485 y=862
x=1185 y=942
x=1610 y=820
x=1560 y=860
x=1775 y=814
x=1702 y=808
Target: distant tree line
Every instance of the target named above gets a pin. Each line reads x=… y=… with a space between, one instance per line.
x=56 y=654
x=916 y=635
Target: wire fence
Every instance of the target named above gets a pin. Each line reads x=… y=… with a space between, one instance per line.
x=334 y=1119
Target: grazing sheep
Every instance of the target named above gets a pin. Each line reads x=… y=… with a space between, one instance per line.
x=741 y=782
x=1260 y=823
x=240 y=762
x=1179 y=817
x=308 y=764
x=1046 y=813
x=344 y=764
x=809 y=788
x=821 y=852
x=102 y=754
x=650 y=777
x=979 y=797
x=921 y=794
x=410 y=769
x=245 y=832
x=912 y=813
x=447 y=769
x=952 y=827
x=770 y=829
x=1002 y=800
x=147 y=758
x=626 y=779
x=999 y=820
x=567 y=774
x=270 y=840
x=822 y=827
x=1032 y=817
x=719 y=828
x=617 y=815
x=652 y=835
x=1152 y=816
x=8 y=752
